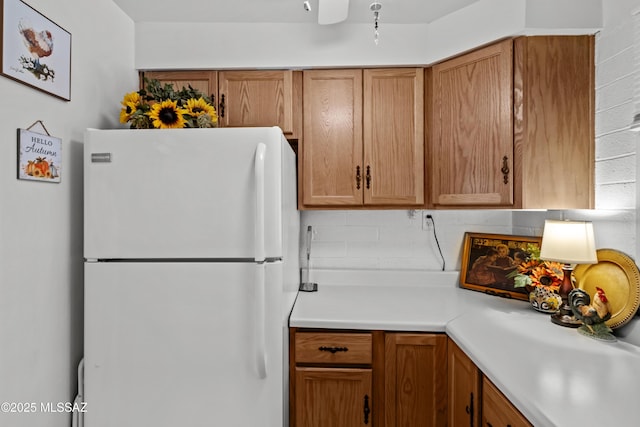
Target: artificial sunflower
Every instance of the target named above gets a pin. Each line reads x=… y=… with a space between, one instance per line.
x=167 y=115
x=158 y=106
x=130 y=104
x=198 y=107
x=201 y=113
x=548 y=274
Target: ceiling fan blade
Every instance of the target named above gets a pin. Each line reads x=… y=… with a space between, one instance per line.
x=332 y=11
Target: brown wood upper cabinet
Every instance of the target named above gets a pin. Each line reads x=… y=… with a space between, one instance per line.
x=204 y=81
x=512 y=125
x=257 y=98
x=247 y=98
x=363 y=138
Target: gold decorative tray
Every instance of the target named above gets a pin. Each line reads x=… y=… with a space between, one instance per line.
x=617 y=274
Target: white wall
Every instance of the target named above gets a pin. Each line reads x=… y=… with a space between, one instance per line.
x=342 y=45
x=41 y=289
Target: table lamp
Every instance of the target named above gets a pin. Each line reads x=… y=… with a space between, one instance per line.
x=567 y=242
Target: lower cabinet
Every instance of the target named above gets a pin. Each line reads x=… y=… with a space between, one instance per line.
x=415 y=392
x=473 y=400
x=371 y=378
x=331 y=378
x=497 y=411
x=389 y=379
x=333 y=397
x=463 y=388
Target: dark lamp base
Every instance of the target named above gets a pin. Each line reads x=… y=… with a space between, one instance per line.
x=565 y=317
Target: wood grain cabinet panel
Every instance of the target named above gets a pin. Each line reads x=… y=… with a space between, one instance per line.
x=394 y=136
x=415 y=380
x=332 y=171
x=333 y=397
x=258 y=98
x=512 y=125
x=554 y=130
x=332 y=378
x=333 y=348
x=464 y=388
x=363 y=139
x=472 y=133
x=204 y=81
x=248 y=98
x=497 y=411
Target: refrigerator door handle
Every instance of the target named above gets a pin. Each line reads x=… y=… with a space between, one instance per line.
x=260 y=292
x=260 y=303
x=261 y=150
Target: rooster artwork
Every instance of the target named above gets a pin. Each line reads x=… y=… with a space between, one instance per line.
x=39 y=43
x=593 y=314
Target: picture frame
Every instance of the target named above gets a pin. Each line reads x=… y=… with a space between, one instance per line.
x=489 y=262
x=35 y=50
x=39 y=157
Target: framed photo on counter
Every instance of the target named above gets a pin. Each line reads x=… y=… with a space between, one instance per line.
x=489 y=262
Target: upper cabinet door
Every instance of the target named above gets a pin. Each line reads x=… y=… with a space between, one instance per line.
x=554 y=129
x=332 y=169
x=472 y=128
x=394 y=136
x=257 y=98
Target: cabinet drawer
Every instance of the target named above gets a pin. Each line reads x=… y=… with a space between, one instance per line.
x=333 y=348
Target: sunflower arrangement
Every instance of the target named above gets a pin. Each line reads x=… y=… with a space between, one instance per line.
x=162 y=107
x=534 y=272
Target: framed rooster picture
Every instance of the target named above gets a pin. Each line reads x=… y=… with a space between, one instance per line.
x=35 y=50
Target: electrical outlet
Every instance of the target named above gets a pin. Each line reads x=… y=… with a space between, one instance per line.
x=426 y=222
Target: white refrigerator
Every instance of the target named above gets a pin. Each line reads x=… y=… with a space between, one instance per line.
x=191 y=269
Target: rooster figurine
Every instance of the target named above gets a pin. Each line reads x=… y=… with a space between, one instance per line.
x=592 y=314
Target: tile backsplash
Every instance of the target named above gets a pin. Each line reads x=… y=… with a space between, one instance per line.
x=405 y=240
x=396 y=239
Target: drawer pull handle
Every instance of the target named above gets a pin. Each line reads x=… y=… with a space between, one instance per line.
x=333 y=350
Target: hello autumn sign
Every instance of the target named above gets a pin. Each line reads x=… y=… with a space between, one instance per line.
x=40 y=156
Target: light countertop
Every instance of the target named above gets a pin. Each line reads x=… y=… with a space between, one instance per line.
x=553 y=375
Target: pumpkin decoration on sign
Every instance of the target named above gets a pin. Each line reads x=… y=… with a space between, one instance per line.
x=38 y=168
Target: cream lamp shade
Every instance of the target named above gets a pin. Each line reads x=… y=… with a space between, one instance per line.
x=569 y=242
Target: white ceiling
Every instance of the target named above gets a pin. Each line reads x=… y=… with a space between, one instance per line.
x=284 y=11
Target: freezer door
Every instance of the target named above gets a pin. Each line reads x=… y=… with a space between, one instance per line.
x=184 y=193
x=174 y=345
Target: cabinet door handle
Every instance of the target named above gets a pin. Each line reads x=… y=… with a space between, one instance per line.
x=333 y=350
x=469 y=410
x=221 y=106
x=367 y=410
x=505 y=169
x=358 y=177
x=367 y=178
